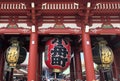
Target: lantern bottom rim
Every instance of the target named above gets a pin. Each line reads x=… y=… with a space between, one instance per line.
x=57 y=70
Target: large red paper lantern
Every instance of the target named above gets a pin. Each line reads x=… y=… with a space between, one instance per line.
x=57 y=54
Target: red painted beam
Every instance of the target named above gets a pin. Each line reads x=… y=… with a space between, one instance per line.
x=59 y=31
x=60 y=12
x=14 y=31
x=103 y=31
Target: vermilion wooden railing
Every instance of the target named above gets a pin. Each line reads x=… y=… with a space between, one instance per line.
x=12 y=6
x=59 y=5
x=107 y=6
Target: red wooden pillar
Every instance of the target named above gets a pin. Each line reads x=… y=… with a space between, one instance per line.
x=38 y=68
x=116 y=64
x=2 y=61
x=72 y=77
x=32 y=65
x=90 y=73
x=78 y=66
x=41 y=66
x=39 y=72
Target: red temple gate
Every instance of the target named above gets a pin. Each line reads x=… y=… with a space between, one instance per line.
x=84 y=14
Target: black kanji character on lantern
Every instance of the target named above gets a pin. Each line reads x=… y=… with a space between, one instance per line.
x=59 y=61
x=59 y=53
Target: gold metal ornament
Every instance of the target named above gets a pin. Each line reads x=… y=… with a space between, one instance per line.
x=12 y=54
x=57 y=70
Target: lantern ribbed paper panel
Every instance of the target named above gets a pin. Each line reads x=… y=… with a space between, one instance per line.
x=57 y=54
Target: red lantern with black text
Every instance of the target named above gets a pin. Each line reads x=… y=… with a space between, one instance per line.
x=57 y=54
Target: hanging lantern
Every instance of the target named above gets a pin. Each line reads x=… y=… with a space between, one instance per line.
x=12 y=53
x=57 y=54
x=103 y=55
x=22 y=56
x=15 y=54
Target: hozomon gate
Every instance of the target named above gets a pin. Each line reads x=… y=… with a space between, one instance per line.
x=93 y=19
